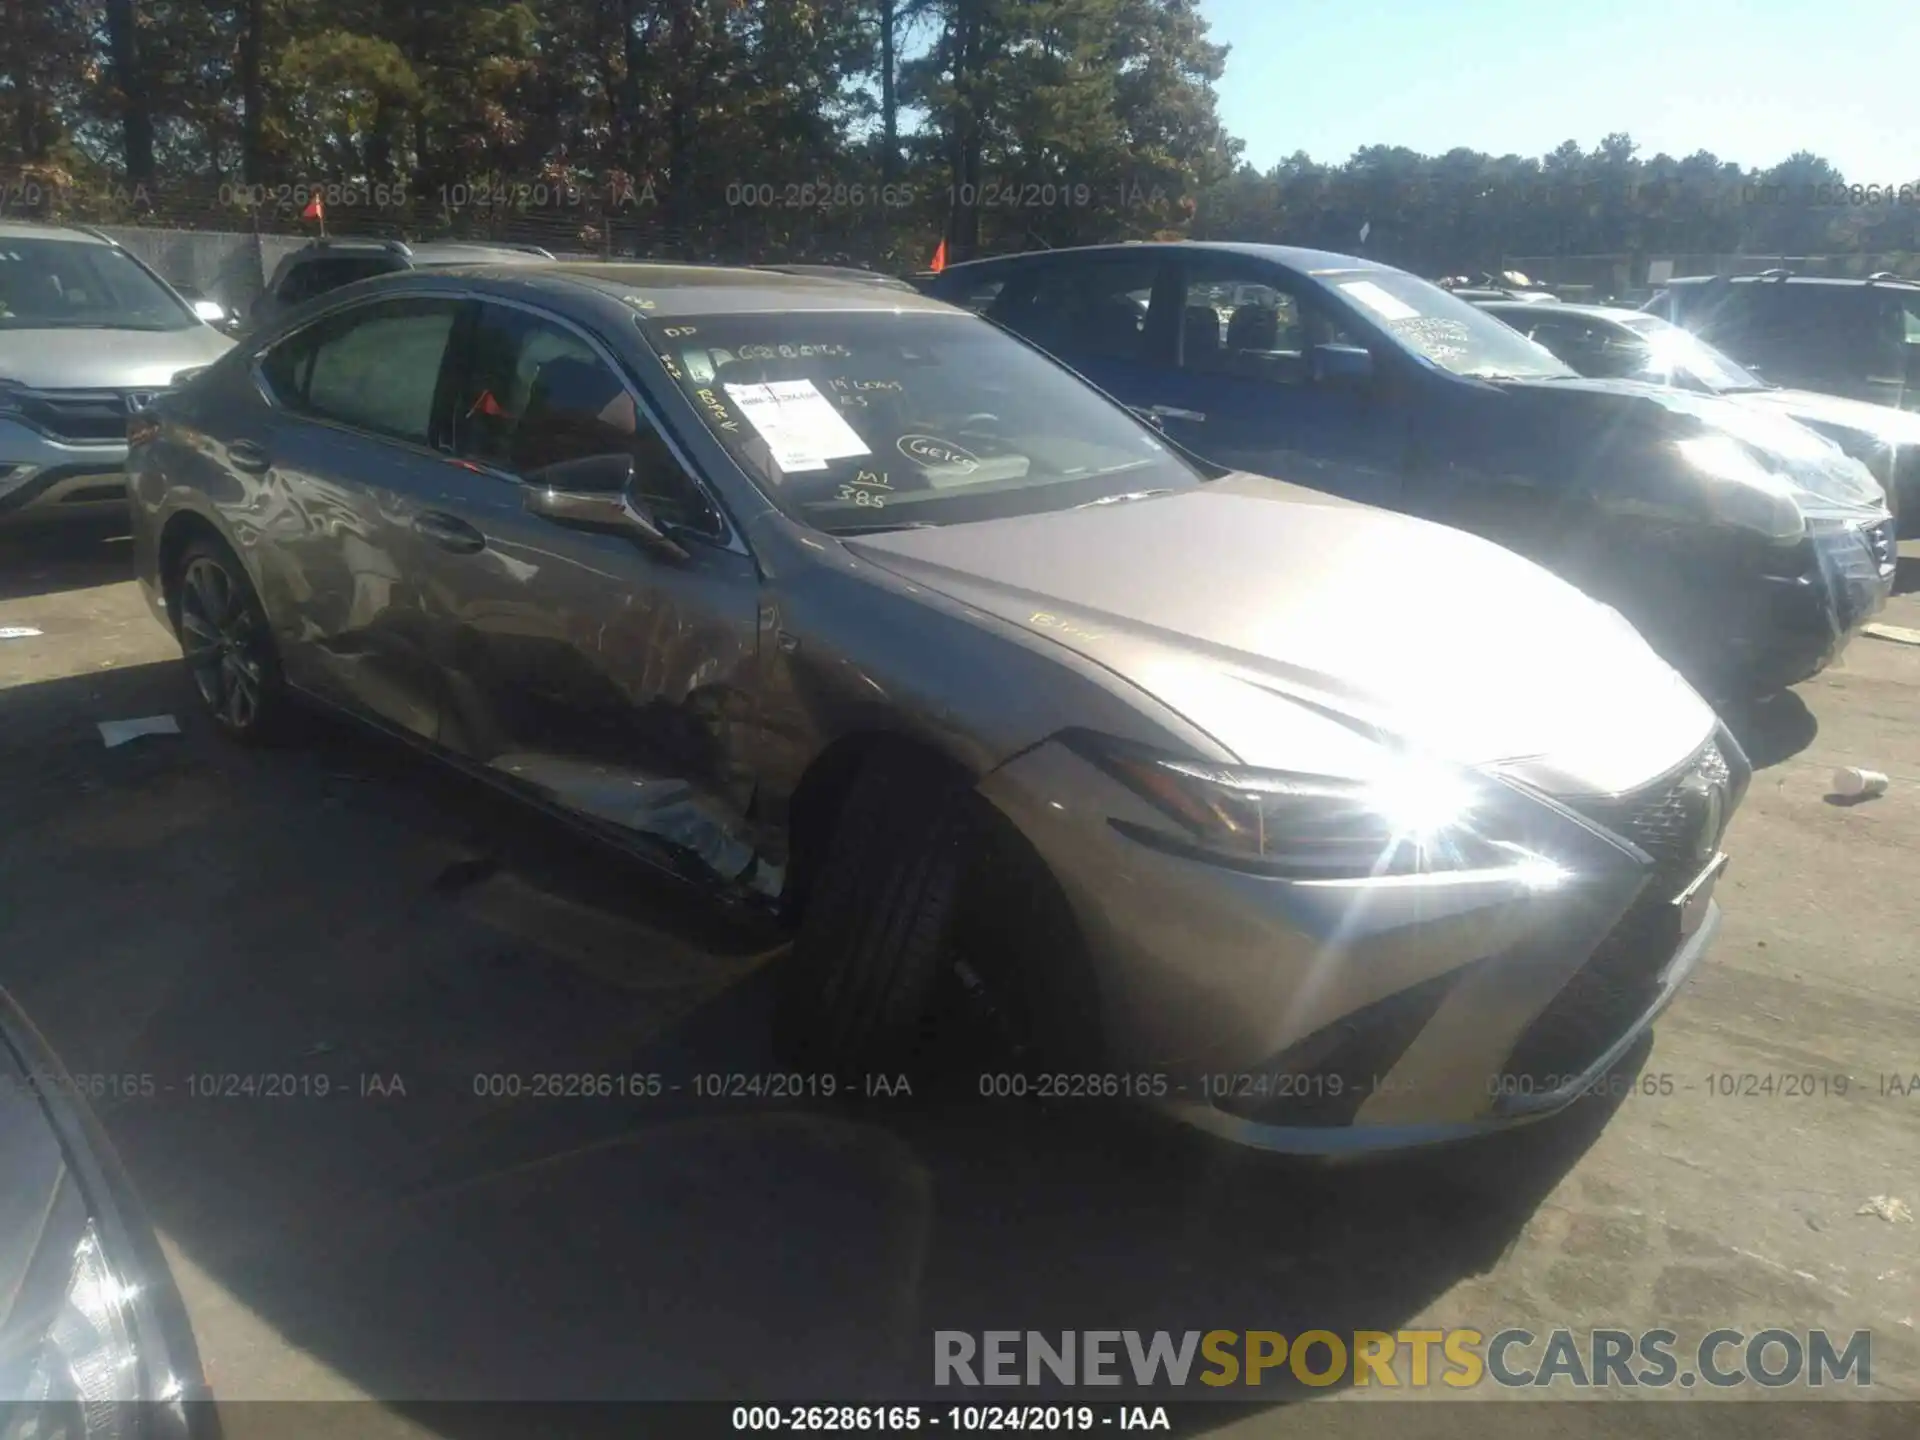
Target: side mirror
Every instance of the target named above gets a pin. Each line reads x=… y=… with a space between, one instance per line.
x=592 y=494
x=211 y=311
x=1349 y=365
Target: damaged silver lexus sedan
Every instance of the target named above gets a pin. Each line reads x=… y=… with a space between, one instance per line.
x=1330 y=829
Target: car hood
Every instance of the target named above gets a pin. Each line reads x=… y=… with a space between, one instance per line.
x=1594 y=416
x=1835 y=412
x=1231 y=600
x=106 y=359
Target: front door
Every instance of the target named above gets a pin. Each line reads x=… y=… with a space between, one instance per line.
x=604 y=674
x=1245 y=391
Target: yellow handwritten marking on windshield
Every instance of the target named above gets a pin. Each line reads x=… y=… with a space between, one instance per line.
x=863 y=497
x=1044 y=621
x=871 y=477
x=790 y=352
x=674 y=332
x=639 y=302
x=717 y=412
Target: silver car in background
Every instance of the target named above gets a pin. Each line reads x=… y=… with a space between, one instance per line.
x=88 y=335
x=1327 y=828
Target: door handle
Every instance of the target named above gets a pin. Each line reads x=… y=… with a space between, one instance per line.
x=248 y=456
x=449 y=532
x=1174 y=412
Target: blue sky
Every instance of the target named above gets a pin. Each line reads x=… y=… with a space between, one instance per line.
x=1752 y=82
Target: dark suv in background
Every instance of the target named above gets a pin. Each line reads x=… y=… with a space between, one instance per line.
x=1746 y=547
x=1858 y=338
x=325 y=265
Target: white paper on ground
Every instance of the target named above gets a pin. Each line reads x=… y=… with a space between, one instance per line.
x=1386 y=306
x=119 y=732
x=18 y=632
x=800 y=425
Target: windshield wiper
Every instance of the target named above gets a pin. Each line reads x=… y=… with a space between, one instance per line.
x=883 y=528
x=1120 y=499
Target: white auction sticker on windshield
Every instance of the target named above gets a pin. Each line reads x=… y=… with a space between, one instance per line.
x=800 y=425
x=1382 y=303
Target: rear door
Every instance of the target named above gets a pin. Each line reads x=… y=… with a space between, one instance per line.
x=603 y=674
x=1243 y=390
x=347 y=462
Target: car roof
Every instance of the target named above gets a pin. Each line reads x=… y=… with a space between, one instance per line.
x=664 y=289
x=1293 y=257
x=1694 y=281
x=36 y=230
x=428 y=252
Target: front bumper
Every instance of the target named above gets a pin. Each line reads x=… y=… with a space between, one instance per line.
x=1844 y=575
x=44 y=477
x=1350 y=1017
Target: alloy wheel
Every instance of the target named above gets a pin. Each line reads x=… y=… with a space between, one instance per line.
x=223 y=646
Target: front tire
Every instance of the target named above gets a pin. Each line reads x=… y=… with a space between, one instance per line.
x=227 y=644
x=878 y=928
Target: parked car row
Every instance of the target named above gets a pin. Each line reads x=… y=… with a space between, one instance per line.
x=1606 y=343
x=1119 y=680
x=1747 y=548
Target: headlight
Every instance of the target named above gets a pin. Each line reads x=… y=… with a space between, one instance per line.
x=83 y=1361
x=1409 y=816
x=1741 y=491
x=94 y=1340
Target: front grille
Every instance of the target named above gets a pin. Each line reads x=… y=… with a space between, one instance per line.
x=82 y=416
x=1621 y=979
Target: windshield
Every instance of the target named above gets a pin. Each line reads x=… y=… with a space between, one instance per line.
x=75 y=285
x=1680 y=355
x=857 y=421
x=1441 y=328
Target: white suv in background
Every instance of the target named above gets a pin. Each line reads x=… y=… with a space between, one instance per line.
x=88 y=336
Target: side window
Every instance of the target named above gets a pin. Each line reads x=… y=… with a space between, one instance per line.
x=536 y=398
x=979 y=296
x=1094 y=309
x=374 y=367
x=1232 y=324
x=296 y=285
x=317 y=276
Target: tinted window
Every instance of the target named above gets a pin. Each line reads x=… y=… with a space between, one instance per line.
x=1094 y=309
x=879 y=419
x=535 y=396
x=375 y=367
x=75 y=285
x=1233 y=325
x=1592 y=347
x=316 y=277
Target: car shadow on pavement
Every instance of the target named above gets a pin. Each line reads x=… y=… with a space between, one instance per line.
x=1774 y=729
x=1906 y=575
x=45 y=559
x=346 y=1144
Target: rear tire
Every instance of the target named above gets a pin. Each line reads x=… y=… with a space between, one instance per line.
x=226 y=643
x=877 y=932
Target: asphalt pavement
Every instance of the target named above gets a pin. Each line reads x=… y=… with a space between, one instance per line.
x=334 y=916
